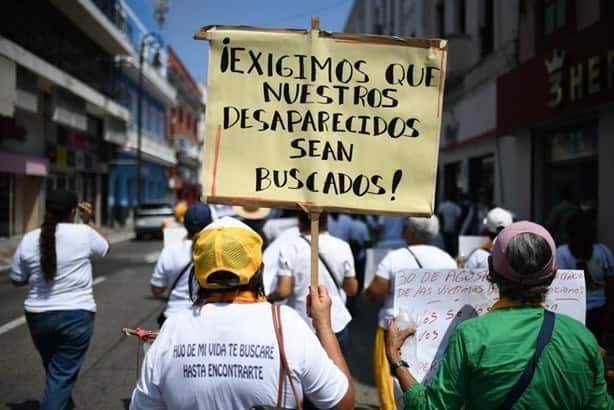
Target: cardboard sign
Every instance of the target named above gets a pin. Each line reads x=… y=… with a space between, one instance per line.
x=339 y=121
x=466 y=244
x=439 y=300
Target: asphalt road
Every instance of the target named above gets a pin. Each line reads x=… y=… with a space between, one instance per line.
x=123 y=300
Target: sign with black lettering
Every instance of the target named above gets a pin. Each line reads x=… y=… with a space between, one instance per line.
x=340 y=121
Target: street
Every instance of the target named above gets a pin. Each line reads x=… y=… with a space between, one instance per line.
x=123 y=300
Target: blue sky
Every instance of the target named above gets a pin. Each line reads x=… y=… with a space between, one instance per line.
x=185 y=17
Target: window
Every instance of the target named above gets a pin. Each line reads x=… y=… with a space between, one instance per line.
x=487 y=34
x=555 y=15
x=379 y=27
x=440 y=13
x=461 y=17
x=180 y=116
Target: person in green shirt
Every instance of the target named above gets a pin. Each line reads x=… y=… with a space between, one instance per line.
x=487 y=355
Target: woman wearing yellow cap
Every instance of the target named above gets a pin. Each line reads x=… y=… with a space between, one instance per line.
x=234 y=350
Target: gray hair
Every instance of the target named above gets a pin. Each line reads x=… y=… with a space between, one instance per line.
x=527 y=254
x=424 y=229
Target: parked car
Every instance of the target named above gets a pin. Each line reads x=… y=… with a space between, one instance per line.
x=149 y=217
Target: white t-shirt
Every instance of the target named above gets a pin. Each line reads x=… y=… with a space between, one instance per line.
x=75 y=245
x=450 y=213
x=430 y=257
x=295 y=261
x=478 y=259
x=598 y=269
x=172 y=261
x=225 y=356
x=270 y=258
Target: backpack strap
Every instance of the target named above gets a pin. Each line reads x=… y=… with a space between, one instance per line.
x=284 y=368
x=545 y=333
x=184 y=270
x=414 y=256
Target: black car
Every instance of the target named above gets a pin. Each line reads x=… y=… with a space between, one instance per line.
x=149 y=217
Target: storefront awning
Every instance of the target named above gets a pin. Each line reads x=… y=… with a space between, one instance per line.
x=23 y=164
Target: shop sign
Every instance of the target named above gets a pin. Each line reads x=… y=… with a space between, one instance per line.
x=573 y=82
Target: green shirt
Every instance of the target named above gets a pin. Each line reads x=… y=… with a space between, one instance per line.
x=486 y=356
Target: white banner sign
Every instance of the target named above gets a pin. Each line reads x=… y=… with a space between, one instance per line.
x=467 y=244
x=439 y=300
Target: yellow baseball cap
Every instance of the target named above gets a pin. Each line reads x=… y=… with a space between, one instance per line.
x=226 y=245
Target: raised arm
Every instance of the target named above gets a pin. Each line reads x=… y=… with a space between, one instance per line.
x=318 y=307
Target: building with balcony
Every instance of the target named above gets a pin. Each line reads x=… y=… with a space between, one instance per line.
x=182 y=130
x=57 y=100
x=157 y=95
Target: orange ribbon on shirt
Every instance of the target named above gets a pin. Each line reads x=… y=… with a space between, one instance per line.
x=244 y=296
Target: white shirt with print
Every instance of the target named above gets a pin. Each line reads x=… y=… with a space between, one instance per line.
x=295 y=261
x=598 y=269
x=76 y=245
x=225 y=356
x=172 y=261
x=430 y=257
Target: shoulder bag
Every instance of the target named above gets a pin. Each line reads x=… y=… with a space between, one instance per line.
x=284 y=368
x=545 y=333
x=162 y=317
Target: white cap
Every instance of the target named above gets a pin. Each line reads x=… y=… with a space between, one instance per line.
x=498 y=218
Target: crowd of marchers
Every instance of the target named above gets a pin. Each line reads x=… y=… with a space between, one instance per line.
x=244 y=327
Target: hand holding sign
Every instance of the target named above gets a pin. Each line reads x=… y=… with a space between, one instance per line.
x=441 y=299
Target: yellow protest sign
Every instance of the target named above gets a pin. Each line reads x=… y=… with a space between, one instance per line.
x=340 y=121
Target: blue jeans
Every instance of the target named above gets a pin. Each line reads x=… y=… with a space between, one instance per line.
x=343 y=337
x=62 y=338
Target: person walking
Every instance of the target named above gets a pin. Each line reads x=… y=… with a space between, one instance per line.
x=518 y=355
x=55 y=262
x=449 y=213
x=233 y=349
x=583 y=252
x=336 y=272
x=418 y=254
x=496 y=220
x=175 y=261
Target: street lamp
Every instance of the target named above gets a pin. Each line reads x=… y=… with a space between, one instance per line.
x=151 y=40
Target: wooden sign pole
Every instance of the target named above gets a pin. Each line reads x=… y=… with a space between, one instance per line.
x=315 y=23
x=314 y=217
x=314 y=213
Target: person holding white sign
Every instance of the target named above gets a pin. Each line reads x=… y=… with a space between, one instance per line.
x=232 y=349
x=518 y=354
x=417 y=255
x=496 y=220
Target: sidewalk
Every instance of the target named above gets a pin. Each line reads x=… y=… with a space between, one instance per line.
x=8 y=245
